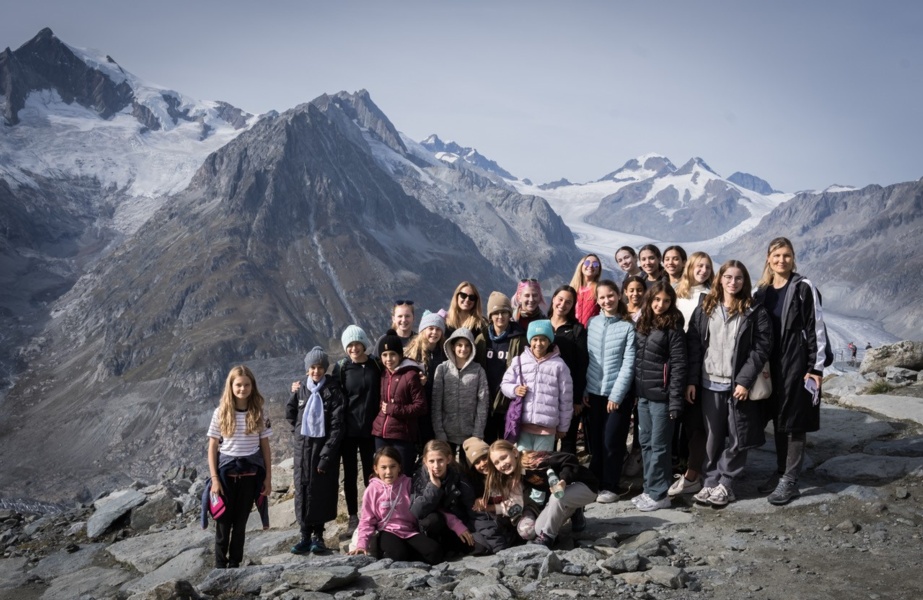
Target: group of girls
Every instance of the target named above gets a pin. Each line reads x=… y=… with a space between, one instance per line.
x=493 y=397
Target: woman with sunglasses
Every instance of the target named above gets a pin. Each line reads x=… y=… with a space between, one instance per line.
x=528 y=302
x=585 y=278
x=465 y=310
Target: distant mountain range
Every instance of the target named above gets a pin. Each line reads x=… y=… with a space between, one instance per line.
x=150 y=241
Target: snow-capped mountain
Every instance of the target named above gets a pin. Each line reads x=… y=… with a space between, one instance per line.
x=451 y=152
x=641 y=168
x=752 y=183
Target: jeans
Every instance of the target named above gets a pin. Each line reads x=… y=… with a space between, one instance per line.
x=607 y=434
x=655 y=430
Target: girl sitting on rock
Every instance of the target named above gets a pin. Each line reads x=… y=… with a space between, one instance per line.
x=442 y=498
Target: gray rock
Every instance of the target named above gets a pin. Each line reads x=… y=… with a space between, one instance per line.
x=900 y=375
x=550 y=564
x=12 y=572
x=912 y=446
x=92 y=582
x=622 y=563
x=442 y=583
x=320 y=579
x=63 y=562
x=37 y=525
x=240 y=581
x=584 y=558
x=281 y=515
x=866 y=468
x=260 y=543
x=171 y=590
x=848 y=526
x=524 y=553
x=184 y=566
x=481 y=587
x=283 y=475
x=147 y=552
x=395 y=577
x=110 y=508
x=640 y=540
x=76 y=528
x=668 y=577
x=906 y=354
x=847 y=384
x=159 y=509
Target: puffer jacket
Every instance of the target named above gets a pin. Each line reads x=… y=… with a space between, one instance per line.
x=660 y=366
x=549 y=401
x=403 y=392
x=460 y=400
x=611 y=346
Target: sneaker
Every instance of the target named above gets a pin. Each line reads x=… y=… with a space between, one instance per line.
x=641 y=500
x=544 y=539
x=684 y=486
x=578 y=521
x=770 y=484
x=352 y=524
x=318 y=546
x=302 y=547
x=721 y=495
x=655 y=504
x=703 y=496
x=785 y=492
x=607 y=497
x=633 y=465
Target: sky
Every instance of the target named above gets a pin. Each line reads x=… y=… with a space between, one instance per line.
x=802 y=94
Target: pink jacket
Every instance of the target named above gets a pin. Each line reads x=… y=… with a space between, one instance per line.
x=377 y=504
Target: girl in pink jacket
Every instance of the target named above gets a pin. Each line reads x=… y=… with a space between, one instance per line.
x=387 y=527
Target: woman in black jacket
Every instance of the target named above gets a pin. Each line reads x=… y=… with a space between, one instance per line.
x=796 y=363
x=660 y=380
x=570 y=339
x=728 y=342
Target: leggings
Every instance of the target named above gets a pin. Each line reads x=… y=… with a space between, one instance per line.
x=417 y=547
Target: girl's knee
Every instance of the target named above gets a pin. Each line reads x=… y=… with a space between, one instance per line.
x=526 y=528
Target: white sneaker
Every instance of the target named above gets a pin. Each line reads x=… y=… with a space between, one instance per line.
x=684 y=486
x=607 y=497
x=721 y=496
x=704 y=496
x=652 y=504
x=641 y=500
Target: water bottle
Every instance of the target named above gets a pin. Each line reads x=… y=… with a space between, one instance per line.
x=553 y=482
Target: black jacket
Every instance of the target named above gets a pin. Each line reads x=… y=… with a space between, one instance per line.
x=455 y=495
x=566 y=467
x=660 y=366
x=570 y=339
x=361 y=385
x=799 y=351
x=751 y=350
x=316 y=493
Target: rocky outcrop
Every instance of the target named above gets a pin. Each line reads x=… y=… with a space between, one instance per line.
x=751 y=182
x=904 y=355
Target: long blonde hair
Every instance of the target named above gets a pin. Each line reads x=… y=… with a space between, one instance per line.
x=416 y=349
x=497 y=483
x=227 y=414
x=779 y=242
x=578 y=281
x=474 y=321
x=684 y=289
x=742 y=299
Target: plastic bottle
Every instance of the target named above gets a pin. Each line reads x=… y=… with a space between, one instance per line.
x=553 y=482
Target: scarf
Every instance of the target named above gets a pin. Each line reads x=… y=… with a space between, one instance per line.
x=497 y=338
x=312 y=421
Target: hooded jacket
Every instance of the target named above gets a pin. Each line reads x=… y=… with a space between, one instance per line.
x=403 y=393
x=460 y=401
x=611 y=347
x=377 y=514
x=549 y=401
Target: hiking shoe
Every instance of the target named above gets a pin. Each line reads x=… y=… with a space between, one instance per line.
x=721 y=495
x=785 y=492
x=633 y=466
x=544 y=539
x=578 y=521
x=352 y=524
x=703 y=496
x=302 y=547
x=684 y=486
x=607 y=497
x=317 y=545
x=652 y=504
x=770 y=484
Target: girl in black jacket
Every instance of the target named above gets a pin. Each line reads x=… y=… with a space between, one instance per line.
x=728 y=341
x=660 y=378
x=796 y=362
x=570 y=339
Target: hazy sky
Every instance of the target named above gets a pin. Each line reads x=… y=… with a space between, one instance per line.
x=803 y=94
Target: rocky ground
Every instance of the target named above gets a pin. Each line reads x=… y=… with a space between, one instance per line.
x=854 y=533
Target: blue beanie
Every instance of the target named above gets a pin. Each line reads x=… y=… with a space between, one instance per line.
x=354 y=333
x=316 y=356
x=540 y=327
x=431 y=319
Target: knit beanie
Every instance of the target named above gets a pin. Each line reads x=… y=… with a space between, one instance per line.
x=354 y=333
x=316 y=356
x=498 y=302
x=431 y=319
x=390 y=342
x=475 y=448
x=540 y=327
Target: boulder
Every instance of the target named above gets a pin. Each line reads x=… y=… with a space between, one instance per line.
x=481 y=587
x=110 y=509
x=912 y=446
x=185 y=566
x=172 y=590
x=900 y=375
x=147 y=552
x=319 y=579
x=159 y=509
x=12 y=572
x=283 y=475
x=63 y=562
x=91 y=582
x=869 y=469
x=906 y=354
x=240 y=581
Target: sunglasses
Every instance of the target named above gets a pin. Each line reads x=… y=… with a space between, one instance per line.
x=591 y=263
x=403 y=302
x=529 y=280
x=464 y=296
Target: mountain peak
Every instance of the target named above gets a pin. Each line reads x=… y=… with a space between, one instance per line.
x=451 y=152
x=644 y=167
x=751 y=182
x=692 y=164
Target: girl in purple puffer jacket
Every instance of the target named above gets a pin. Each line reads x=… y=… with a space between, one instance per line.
x=540 y=377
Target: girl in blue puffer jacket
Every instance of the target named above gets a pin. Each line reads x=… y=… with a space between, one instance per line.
x=540 y=377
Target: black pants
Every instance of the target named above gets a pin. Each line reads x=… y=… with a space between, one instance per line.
x=231 y=527
x=407 y=450
x=365 y=448
x=418 y=547
x=607 y=436
x=569 y=442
